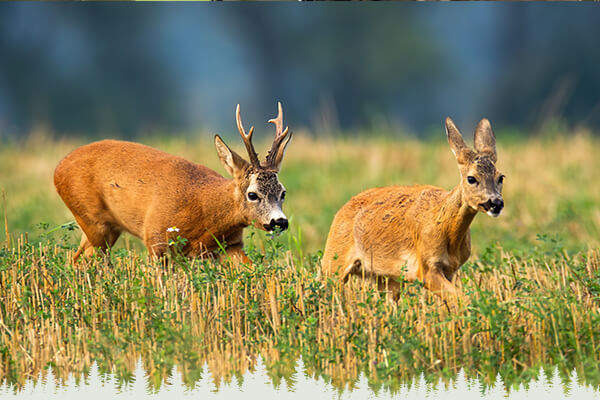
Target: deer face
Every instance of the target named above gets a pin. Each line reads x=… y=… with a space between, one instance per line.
x=482 y=185
x=259 y=192
x=264 y=196
x=481 y=182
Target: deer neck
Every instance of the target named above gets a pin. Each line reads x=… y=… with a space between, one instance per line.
x=456 y=217
x=225 y=211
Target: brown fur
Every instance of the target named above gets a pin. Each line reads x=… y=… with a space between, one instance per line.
x=115 y=186
x=418 y=232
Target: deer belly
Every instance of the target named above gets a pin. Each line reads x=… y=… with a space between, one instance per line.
x=402 y=265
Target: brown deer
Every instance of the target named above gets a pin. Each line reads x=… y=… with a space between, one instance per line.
x=418 y=232
x=114 y=186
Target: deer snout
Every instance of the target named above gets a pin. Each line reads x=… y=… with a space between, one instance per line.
x=281 y=223
x=495 y=206
x=498 y=204
x=277 y=219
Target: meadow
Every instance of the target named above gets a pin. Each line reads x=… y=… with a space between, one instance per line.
x=532 y=284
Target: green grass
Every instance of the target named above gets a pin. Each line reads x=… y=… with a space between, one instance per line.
x=532 y=284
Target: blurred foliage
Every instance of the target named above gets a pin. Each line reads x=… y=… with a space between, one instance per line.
x=121 y=70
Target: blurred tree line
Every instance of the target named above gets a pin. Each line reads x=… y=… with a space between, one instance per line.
x=130 y=69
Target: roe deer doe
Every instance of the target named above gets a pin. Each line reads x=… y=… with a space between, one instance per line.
x=419 y=232
x=114 y=186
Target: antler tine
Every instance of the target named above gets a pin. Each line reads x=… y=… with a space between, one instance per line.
x=279 y=136
x=278 y=121
x=247 y=138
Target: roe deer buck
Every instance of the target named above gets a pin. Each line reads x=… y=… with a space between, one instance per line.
x=419 y=232
x=114 y=186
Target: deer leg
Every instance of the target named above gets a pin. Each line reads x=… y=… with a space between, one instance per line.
x=353 y=267
x=85 y=247
x=236 y=254
x=100 y=235
x=389 y=285
x=437 y=282
x=155 y=238
x=156 y=248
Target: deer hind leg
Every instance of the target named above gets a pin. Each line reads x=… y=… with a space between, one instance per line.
x=352 y=268
x=101 y=236
x=85 y=247
x=343 y=262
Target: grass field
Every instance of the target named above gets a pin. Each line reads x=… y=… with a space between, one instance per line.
x=532 y=283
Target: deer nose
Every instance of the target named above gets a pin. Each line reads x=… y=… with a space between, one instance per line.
x=497 y=204
x=282 y=223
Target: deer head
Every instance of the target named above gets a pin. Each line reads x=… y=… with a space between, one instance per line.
x=481 y=182
x=259 y=193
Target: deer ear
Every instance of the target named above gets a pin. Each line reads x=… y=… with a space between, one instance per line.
x=457 y=144
x=281 y=151
x=231 y=160
x=485 y=140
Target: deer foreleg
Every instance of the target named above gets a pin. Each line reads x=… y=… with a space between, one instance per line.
x=235 y=254
x=436 y=281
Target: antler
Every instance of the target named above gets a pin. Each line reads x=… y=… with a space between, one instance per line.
x=279 y=137
x=247 y=139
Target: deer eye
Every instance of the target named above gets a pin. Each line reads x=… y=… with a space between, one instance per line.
x=252 y=196
x=282 y=195
x=471 y=180
x=501 y=179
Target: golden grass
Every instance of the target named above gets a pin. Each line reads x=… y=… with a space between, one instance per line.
x=518 y=314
